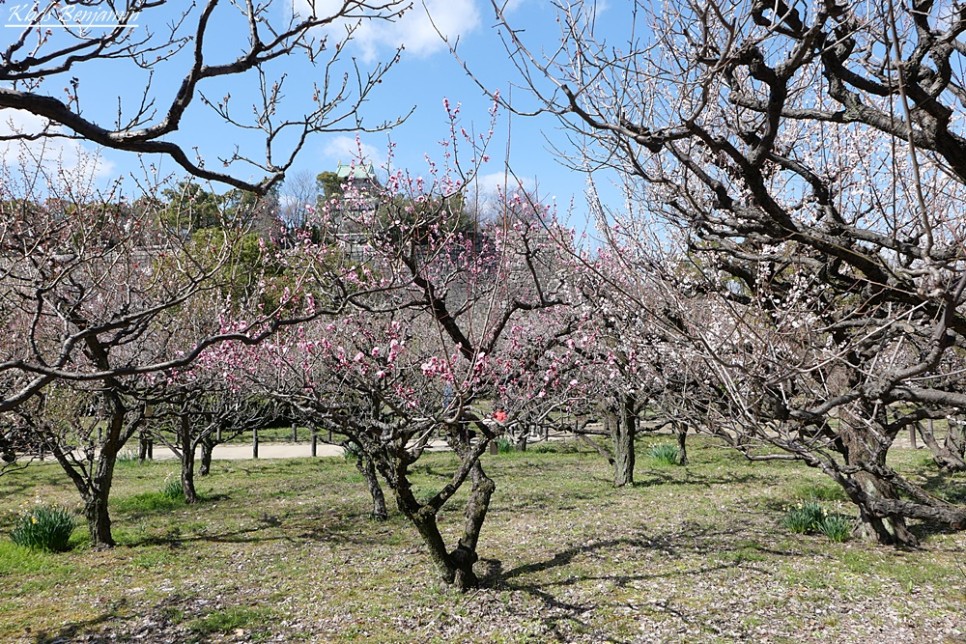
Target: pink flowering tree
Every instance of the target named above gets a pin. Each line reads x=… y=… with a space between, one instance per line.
x=430 y=337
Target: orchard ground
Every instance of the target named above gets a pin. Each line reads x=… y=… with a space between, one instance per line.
x=282 y=550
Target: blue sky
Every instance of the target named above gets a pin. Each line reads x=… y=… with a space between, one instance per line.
x=426 y=74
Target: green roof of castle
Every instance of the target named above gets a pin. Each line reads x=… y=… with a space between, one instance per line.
x=356 y=171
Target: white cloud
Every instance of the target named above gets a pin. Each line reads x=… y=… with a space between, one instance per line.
x=486 y=192
x=497 y=183
x=347 y=149
x=418 y=30
x=66 y=156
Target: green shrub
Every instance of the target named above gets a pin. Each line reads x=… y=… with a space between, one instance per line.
x=504 y=445
x=803 y=518
x=44 y=527
x=810 y=517
x=172 y=489
x=836 y=527
x=665 y=454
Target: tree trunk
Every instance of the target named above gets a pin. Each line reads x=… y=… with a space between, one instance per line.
x=424 y=518
x=188 y=447
x=623 y=432
x=395 y=472
x=94 y=484
x=464 y=556
x=425 y=522
x=99 y=519
x=368 y=470
x=98 y=488
x=188 y=474
x=142 y=447
x=207 y=446
x=681 y=430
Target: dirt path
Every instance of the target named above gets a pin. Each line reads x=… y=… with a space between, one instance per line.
x=272 y=451
x=238 y=452
x=242 y=452
x=265 y=451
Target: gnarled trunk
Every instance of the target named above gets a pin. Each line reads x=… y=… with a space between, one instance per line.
x=475 y=514
x=94 y=485
x=865 y=489
x=453 y=567
x=96 y=490
x=188 y=475
x=949 y=455
x=956 y=441
x=94 y=482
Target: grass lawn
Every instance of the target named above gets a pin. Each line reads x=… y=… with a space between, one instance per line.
x=284 y=551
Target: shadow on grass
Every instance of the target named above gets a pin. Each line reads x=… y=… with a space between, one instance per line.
x=69 y=632
x=948 y=487
x=926 y=529
x=245 y=535
x=147 y=504
x=27 y=475
x=176 y=618
x=14 y=489
x=703 y=541
x=681 y=475
x=347 y=529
